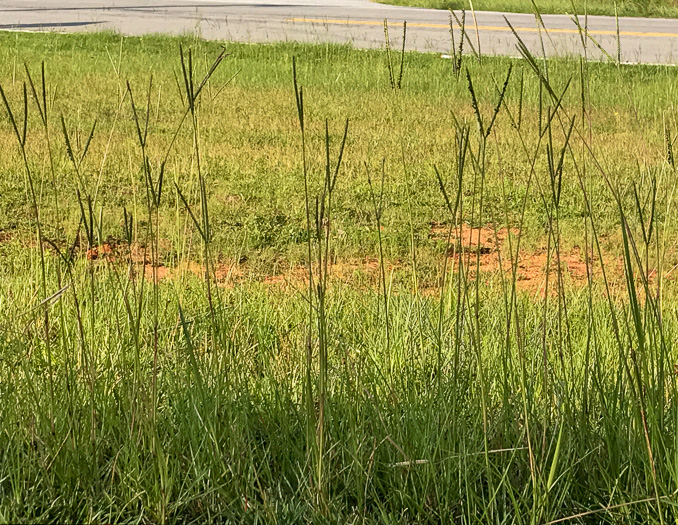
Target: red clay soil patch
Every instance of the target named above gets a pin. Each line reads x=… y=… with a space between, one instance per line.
x=100 y=252
x=481 y=249
x=531 y=271
x=6 y=236
x=531 y=268
x=112 y=251
x=230 y=273
x=141 y=264
x=471 y=238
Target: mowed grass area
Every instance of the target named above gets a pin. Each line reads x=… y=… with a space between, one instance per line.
x=644 y=8
x=488 y=336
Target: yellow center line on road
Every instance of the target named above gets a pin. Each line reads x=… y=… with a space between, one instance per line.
x=469 y=27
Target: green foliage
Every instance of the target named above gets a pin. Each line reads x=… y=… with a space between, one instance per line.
x=153 y=368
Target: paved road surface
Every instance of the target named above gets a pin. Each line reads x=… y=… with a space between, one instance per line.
x=357 y=21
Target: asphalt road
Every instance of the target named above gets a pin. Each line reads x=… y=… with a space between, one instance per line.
x=359 y=22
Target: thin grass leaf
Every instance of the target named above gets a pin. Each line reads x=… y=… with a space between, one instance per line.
x=210 y=72
x=616 y=21
x=387 y=41
x=554 y=462
x=140 y=134
x=669 y=146
x=191 y=352
x=10 y=115
x=464 y=33
x=25 y=127
x=525 y=53
x=67 y=140
x=402 y=56
x=34 y=92
x=497 y=106
x=341 y=155
x=190 y=212
x=187 y=78
x=85 y=149
x=298 y=94
x=474 y=103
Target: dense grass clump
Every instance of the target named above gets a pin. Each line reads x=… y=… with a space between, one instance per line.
x=296 y=284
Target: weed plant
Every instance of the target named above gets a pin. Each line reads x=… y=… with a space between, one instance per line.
x=150 y=373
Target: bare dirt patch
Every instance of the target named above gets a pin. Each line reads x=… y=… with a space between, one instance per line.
x=487 y=249
x=483 y=250
x=103 y=251
x=484 y=239
x=6 y=236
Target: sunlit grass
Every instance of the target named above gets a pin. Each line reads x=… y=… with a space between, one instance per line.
x=644 y=8
x=169 y=356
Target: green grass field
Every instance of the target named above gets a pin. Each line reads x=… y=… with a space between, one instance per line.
x=645 y=8
x=488 y=331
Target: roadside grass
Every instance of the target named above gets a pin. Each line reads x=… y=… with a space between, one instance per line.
x=272 y=325
x=252 y=154
x=642 y=8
